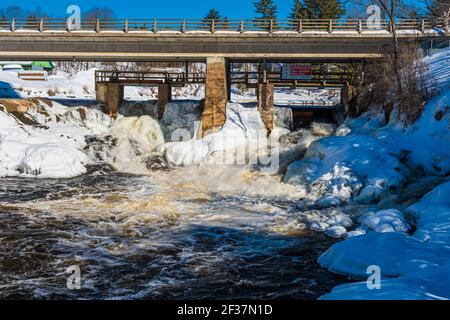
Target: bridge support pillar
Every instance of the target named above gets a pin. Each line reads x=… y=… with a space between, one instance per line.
x=216 y=95
x=265 y=93
x=110 y=94
x=101 y=93
x=164 y=97
x=115 y=97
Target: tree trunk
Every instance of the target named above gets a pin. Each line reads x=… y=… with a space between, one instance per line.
x=396 y=47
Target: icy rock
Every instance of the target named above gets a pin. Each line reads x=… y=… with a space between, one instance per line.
x=322 y=129
x=390 y=220
x=342 y=166
x=53 y=161
x=340 y=219
x=318 y=226
x=343 y=130
x=354 y=233
x=335 y=231
x=329 y=201
x=138 y=108
x=283 y=118
x=181 y=115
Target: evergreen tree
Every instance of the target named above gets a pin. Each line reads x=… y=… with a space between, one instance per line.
x=32 y=21
x=299 y=11
x=226 y=23
x=330 y=9
x=265 y=9
x=213 y=14
x=321 y=9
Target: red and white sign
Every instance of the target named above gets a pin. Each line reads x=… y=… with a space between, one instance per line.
x=296 y=71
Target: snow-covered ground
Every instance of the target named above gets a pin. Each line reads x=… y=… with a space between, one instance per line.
x=48 y=140
x=414 y=262
x=81 y=85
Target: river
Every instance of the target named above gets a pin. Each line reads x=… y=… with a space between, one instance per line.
x=185 y=233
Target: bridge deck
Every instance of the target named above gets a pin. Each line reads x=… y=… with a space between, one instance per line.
x=152 y=39
x=222 y=26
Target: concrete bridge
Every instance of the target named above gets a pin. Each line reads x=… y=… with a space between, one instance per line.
x=150 y=39
x=217 y=43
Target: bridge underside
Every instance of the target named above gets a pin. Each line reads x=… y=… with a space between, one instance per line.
x=107 y=47
x=218 y=77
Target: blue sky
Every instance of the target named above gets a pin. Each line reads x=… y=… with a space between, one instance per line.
x=239 y=9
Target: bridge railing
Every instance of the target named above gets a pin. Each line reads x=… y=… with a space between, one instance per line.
x=249 y=77
x=136 y=77
x=223 y=25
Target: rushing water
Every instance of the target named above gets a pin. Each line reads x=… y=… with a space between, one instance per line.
x=157 y=237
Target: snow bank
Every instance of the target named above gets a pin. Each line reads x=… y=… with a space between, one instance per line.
x=338 y=168
x=418 y=266
x=412 y=267
x=241 y=135
x=389 y=220
x=426 y=142
x=432 y=216
x=47 y=141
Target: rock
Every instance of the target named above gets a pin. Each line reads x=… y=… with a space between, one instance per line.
x=335 y=231
x=318 y=226
x=156 y=162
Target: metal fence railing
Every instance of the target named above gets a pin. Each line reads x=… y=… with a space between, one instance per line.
x=224 y=25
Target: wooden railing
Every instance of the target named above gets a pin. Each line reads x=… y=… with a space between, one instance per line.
x=236 y=77
x=148 y=77
x=276 y=77
x=214 y=26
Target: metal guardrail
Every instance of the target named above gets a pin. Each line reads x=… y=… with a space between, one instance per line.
x=213 y=26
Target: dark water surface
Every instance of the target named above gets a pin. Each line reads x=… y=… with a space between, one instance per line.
x=152 y=238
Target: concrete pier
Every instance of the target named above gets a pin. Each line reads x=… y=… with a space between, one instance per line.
x=110 y=94
x=164 y=97
x=265 y=95
x=216 y=95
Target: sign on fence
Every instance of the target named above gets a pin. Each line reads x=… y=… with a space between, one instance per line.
x=295 y=71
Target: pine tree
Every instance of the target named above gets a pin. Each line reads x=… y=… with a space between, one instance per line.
x=32 y=21
x=226 y=23
x=265 y=9
x=322 y=9
x=299 y=11
x=213 y=14
x=330 y=9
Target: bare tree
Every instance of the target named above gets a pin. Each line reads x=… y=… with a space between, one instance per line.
x=438 y=8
